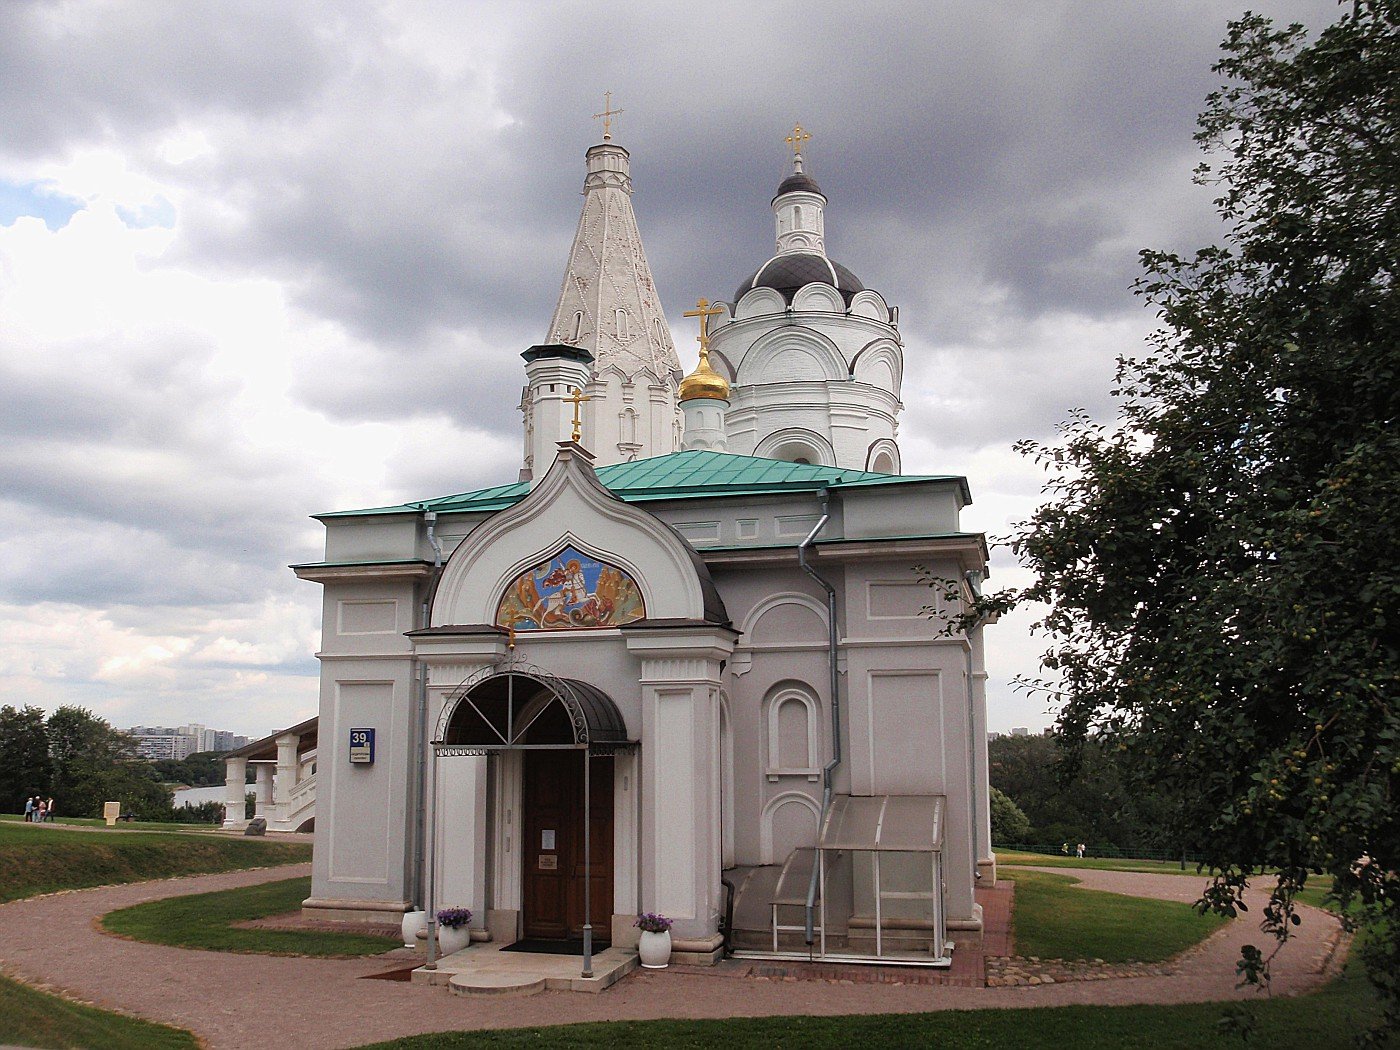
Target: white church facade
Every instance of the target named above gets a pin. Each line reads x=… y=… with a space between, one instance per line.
x=685 y=664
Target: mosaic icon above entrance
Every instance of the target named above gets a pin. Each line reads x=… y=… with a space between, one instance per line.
x=570 y=591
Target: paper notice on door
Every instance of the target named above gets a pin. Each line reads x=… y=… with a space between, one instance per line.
x=549 y=862
x=547 y=838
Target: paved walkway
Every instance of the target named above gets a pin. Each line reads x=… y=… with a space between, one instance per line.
x=246 y=1000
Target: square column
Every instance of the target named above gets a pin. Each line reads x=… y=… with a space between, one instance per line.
x=263 y=791
x=679 y=845
x=286 y=779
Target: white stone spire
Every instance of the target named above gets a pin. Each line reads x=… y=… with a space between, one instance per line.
x=608 y=308
x=608 y=305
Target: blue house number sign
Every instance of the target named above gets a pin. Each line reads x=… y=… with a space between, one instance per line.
x=362 y=747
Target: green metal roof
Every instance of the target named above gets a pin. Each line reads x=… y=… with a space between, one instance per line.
x=678 y=475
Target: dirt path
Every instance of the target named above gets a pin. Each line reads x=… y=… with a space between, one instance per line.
x=249 y=1001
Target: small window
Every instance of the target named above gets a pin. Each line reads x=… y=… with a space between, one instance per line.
x=578 y=327
x=622 y=332
x=797 y=217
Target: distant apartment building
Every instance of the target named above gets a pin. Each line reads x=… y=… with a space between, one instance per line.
x=177 y=742
x=1020 y=731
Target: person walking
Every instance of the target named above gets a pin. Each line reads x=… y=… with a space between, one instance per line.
x=40 y=810
x=1079 y=851
x=29 y=809
x=48 y=812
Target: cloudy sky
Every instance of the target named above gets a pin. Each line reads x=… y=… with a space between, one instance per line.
x=260 y=260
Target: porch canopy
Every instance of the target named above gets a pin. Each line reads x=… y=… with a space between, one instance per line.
x=519 y=709
x=525 y=710
x=895 y=823
x=901 y=839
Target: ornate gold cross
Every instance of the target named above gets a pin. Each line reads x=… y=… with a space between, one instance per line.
x=796 y=139
x=607 y=115
x=578 y=399
x=704 y=311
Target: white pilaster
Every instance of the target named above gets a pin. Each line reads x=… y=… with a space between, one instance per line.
x=680 y=800
x=235 y=790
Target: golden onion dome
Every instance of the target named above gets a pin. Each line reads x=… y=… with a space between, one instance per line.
x=704 y=382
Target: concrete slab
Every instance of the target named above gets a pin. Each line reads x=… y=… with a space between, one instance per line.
x=488 y=969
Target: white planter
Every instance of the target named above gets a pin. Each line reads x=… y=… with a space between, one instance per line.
x=414 y=922
x=655 y=950
x=453 y=938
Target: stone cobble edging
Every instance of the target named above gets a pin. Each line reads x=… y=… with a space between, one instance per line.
x=1010 y=971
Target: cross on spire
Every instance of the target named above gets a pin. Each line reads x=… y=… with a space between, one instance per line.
x=607 y=116
x=796 y=140
x=704 y=311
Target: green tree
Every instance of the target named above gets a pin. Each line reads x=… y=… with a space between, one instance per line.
x=1009 y=824
x=1220 y=565
x=24 y=756
x=94 y=763
x=202 y=769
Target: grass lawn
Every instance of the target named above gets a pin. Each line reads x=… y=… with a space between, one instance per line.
x=203 y=921
x=98 y=822
x=1053 y=919
x=33 y=1018
x=1010 y=858
x=36 y=860
x=1330 y=1018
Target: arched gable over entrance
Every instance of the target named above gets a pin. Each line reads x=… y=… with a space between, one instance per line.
x=570 y=507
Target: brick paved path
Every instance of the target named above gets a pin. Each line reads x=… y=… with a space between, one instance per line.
x=248 y=1001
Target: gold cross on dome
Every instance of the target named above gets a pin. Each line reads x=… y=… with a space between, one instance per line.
x=704 y=311
x=579 y=398
x=607 y=116
x=797 y=139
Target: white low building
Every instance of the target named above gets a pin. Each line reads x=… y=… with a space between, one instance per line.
x=685 y=665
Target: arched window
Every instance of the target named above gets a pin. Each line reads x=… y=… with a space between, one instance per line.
x=578 y=327
x=622 y=328
x=797 y=217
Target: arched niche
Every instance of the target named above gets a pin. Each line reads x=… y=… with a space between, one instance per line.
x=789 y=822
x=797 y=445
x=792 y=720
x=818 y=296
x=881 y=364
x=784 y=619
x=882 y=457
x=792 y=355
x=759 y=302
x=870 y=304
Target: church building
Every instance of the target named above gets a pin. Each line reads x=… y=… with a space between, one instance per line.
x=691 y=661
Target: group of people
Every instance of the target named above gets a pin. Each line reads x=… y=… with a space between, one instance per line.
x=1078 y=850
x=37 y=809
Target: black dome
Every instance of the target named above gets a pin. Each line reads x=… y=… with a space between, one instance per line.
x=787 y=273
x=798 y=181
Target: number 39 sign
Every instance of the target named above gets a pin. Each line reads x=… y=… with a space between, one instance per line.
x=362 y=746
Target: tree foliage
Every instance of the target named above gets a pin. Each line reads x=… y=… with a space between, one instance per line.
x=94 y=763
x=24 y=756
x=1009 y=824
x=1092 y=804
x=1220 y=565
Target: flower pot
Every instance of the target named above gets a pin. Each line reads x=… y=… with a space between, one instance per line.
x=655 y=950
x=413 y=924
x=453 y=938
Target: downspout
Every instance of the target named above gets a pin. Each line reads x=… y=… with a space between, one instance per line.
x=831 y=637
x=974 y=584
x=419 y=880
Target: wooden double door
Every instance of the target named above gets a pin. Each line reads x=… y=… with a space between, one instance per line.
x=553 y=845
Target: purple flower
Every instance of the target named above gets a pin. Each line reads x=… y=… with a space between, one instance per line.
x=454 y=917
x=652 y=922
